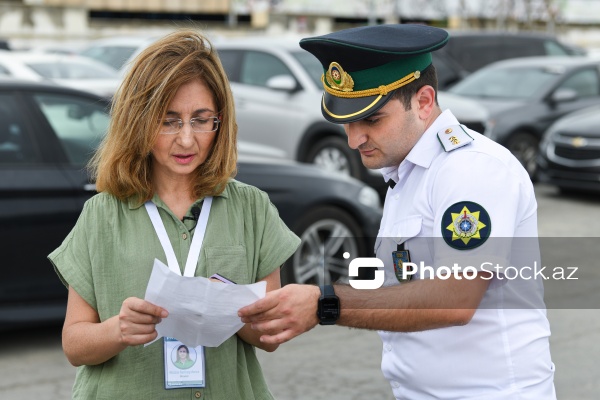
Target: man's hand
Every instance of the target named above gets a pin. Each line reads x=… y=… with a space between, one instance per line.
x=283 y=314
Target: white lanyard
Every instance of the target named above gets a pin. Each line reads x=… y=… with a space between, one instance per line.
x=159 y=227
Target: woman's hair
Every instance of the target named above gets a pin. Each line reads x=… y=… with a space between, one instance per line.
x=122 y=165
x=183 y=346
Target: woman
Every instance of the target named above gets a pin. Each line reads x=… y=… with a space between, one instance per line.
x=172 y=143
x=183 y=357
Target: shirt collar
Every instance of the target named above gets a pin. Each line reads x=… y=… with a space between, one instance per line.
x=426 y=148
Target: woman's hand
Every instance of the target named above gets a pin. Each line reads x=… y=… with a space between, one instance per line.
x=137 y=321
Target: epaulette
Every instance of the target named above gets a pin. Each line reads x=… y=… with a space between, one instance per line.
x=453 y=137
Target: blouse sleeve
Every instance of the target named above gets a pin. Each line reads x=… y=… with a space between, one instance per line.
x=71 y=260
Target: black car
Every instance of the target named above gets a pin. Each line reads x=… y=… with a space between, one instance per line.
x=524 y=96
x=47 y=134
x=570 y=152
x=468 y=51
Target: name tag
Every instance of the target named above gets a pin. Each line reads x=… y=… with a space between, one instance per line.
x=184 y=366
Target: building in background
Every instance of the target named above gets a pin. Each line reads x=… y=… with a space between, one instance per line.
x=35 y=21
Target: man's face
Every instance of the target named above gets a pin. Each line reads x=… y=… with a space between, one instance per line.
x=385 y=138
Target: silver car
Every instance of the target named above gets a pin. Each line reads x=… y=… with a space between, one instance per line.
x=277 y=89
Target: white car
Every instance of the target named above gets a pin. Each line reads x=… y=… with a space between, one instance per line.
x=66 y=70
x=277 y=89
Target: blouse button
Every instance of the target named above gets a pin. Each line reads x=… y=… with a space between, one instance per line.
x=184 y=236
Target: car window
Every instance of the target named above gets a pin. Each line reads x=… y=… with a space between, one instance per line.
x=72 y=70
x=259 y=67
x=586 y=83
x=518 y=82
x=115 y=56
x=15 y=145
x=231 y=60
x=554 y=49
x=78 y=123
x=311 y=64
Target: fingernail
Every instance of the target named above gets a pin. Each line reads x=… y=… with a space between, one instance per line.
x=164 y=314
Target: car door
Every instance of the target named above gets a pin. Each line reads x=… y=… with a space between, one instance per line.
x=271 y=117
x=37 y=210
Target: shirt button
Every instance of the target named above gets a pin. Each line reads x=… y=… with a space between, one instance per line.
x=197 y=395
x=388 y=347
x=184 y=236
x=396 y=196
x=395 y=385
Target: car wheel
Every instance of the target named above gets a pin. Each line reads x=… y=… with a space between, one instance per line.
x=525 y=148
x=326 y=233
x=333 y=154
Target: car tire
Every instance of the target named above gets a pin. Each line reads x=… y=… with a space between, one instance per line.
x=525 y=147
x=333 y=154
x=327 y=233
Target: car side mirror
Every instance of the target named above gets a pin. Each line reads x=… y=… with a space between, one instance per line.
x=284 y=83
x=563 y=95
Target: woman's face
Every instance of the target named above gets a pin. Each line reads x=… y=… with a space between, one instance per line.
x=182 y=354
x=176 y=156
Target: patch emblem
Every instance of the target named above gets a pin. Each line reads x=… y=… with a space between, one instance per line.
x=466 y=225
x=400 y=258
x=339 y=79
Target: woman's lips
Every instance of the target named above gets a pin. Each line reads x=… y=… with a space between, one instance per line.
x=183 y=158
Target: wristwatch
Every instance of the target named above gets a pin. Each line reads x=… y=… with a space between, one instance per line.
x=328 y=310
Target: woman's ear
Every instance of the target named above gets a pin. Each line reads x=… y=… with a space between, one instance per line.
x=425 y=98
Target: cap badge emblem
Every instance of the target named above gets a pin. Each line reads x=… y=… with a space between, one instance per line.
x=339 y=79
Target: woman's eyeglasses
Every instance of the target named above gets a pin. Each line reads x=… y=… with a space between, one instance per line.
x=172 y=126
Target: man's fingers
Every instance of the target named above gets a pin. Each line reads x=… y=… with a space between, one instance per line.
x=253 y=311
x=279 y=338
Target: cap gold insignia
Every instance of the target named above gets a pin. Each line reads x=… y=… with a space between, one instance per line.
x=339 y=79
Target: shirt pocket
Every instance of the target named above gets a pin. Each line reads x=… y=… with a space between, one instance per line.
x=407 y=228
x=230 y=262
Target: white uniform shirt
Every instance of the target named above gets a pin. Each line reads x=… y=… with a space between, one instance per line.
x=503 y=352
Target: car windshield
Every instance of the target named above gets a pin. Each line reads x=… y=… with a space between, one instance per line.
x=72 y=70
x=310 y=64
x=515 y=82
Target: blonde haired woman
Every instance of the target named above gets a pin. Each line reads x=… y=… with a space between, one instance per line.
x=171 y=146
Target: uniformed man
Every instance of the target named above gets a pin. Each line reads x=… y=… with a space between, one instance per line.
x=459 y=214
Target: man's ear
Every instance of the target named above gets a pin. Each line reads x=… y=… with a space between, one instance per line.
x=425 y=98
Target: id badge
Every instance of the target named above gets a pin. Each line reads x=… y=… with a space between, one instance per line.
x=184 y=366
x=400 y=258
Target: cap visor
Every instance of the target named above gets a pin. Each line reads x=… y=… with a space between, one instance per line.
x=341 y=110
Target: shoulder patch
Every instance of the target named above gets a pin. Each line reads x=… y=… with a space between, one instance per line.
x=466 y=225
x=453 y=137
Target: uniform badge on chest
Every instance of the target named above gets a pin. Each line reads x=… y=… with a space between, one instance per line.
x=402 y=268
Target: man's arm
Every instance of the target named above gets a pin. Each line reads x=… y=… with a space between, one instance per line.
x=420 y=305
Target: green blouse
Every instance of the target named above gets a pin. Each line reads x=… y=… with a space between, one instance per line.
x=108 y=257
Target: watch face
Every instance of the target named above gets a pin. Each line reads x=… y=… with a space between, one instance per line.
x=329 y=309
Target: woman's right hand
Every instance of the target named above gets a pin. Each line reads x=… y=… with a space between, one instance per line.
x=137 y=321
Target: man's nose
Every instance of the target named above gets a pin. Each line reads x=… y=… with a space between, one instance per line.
x=356 y=136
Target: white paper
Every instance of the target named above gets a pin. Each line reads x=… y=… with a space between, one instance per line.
x=201 y=312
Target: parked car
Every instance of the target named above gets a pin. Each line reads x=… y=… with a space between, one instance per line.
x=570 y=152
x=67 y=70
x=47 y=134
x=277 y=89
x=524 y=96
x=468 y=51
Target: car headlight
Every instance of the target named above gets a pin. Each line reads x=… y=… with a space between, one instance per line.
x=369 y=197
